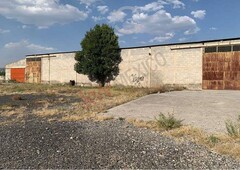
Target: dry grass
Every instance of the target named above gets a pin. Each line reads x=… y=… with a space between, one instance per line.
x=222 y=144
x=219 y=143
x=10 y=112
x=143 y=124
x=5 y=107
x=46 y=112
x=95 y=100
x=10 y=115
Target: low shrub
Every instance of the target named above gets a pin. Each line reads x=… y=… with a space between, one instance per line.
x=121 y=118
x=213 y=139
x=233 y=128
x=168 y=122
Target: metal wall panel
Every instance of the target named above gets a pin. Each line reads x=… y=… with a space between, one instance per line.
x=18 y=74
x=221 y=71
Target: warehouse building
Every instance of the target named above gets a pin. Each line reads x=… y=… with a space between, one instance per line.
x=213 y=64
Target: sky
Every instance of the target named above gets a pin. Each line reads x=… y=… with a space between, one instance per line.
x=45 y=26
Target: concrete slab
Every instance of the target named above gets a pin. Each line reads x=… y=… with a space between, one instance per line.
x=208 y=110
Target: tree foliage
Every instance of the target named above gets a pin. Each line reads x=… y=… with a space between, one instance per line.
x=2 y=72
x=100 y=55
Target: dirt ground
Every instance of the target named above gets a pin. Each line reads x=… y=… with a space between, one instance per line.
x=208 y=110
x=17 y=106
x=48 y=126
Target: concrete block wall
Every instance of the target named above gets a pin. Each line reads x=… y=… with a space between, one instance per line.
x=156 y=66
x=176 y=67
x=134 y=68
x=59 y=68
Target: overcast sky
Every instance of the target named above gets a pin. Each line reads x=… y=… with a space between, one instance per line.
x=40 y=26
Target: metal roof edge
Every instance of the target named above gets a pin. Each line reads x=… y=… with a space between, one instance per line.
x=184 y=43
x=64 y=52
x=148 y=46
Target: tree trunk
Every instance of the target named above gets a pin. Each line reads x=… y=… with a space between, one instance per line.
x=102 y=84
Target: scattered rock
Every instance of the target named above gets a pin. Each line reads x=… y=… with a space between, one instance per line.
x=17 y=97
x=100 y=145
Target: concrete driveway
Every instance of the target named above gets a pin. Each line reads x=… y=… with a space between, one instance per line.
x=208 y=110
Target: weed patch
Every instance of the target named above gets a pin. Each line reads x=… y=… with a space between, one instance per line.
x=213 y=139
x=168 y=122
x=220 y=143
x=233 y=128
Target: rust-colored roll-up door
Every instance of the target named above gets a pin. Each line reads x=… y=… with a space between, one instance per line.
x=221 y=71
x=18 y=74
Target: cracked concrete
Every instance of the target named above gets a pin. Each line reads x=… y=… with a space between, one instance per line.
x=208 y=110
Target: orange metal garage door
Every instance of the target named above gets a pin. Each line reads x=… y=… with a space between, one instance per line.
x=18 y=74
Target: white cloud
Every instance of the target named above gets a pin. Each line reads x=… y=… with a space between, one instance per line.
x=192 y=31
x=139 y=16
x=41 y=13
x=182 y=39
x=176 y=3
x=27 y=45
x=25 y=26
x=2 y=31
x=117 y=16
x=213 y=28
x=154 y=6
x=161 y=22
x=103 y=9
x=88 y=2
x=200 y=14
x=13 y=51
x=166 y=37
x=142 y=42
x=98 y=18
x=152 y=18
x=122 y=41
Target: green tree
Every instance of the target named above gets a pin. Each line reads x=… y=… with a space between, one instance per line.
x=100 y=55
x=2 y=72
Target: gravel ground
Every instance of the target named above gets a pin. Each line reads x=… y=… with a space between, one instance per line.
x=37 y=143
